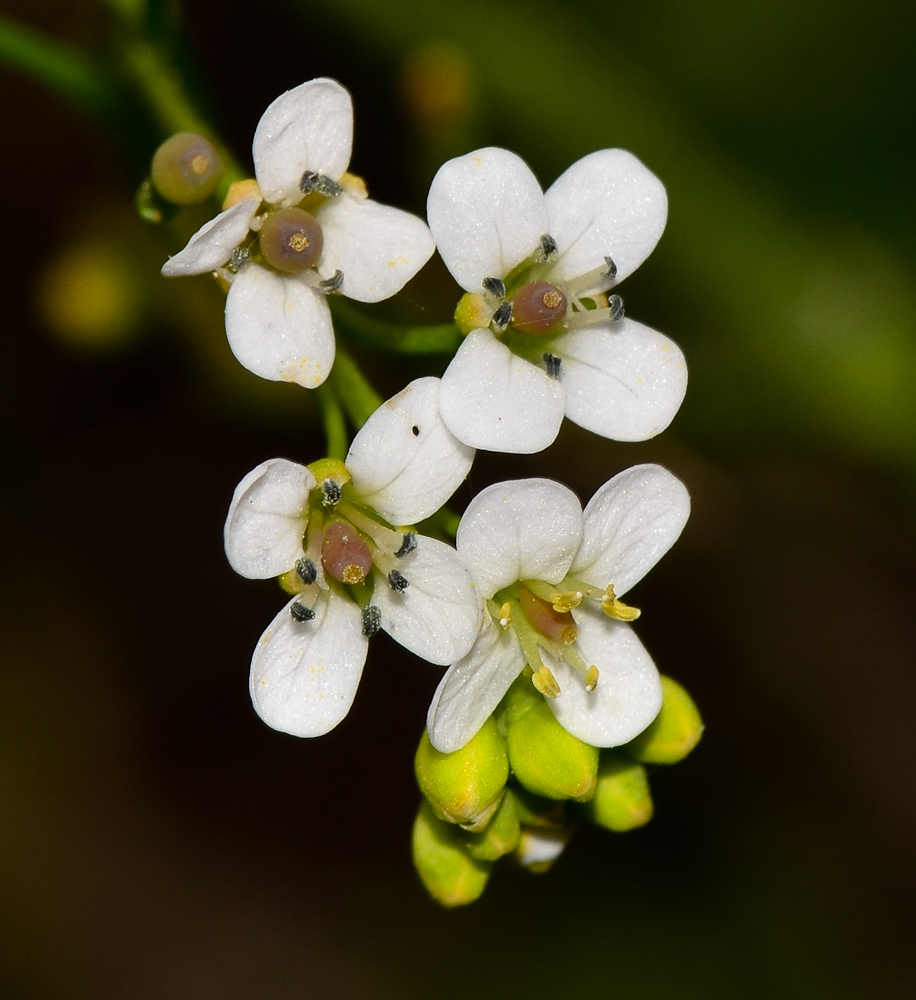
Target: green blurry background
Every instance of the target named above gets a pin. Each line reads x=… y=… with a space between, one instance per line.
x=155 y=839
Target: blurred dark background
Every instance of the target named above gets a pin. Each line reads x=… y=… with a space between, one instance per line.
x=156 y=839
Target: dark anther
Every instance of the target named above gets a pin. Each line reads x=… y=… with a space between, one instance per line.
x=552 y=364
x=239 y=259
x=397 y=581
x=331 y=493
x=306 y=570
x=415 y=431
x=332 y=284
x=300 y=612
x=502 y=317
x=615 y=304
x=407 y=546
x=548 y=248
x=312 y=181
x=372 y=620
x=495 y=286
x=611 y=272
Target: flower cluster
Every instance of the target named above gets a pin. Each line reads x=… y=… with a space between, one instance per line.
x=549 y=703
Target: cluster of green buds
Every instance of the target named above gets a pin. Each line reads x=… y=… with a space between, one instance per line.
x=520 y=786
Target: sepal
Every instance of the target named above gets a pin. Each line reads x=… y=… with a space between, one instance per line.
x=451 y=875
x=622 y=800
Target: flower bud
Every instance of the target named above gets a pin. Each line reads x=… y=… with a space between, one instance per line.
x=674 y=733
x=451 y=876
x=186 y=168
x=538 y=849
x=465 y=787
x=622 y=800
x=545 y=758
x=501 y=835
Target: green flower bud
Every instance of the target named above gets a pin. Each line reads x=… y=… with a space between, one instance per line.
x=622 y=800
x=545 y=758
x=675 y=731
x=465 y=787
x=451 y=876
x=501 y=835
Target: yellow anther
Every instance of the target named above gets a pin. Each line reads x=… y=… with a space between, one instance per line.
x=566 y=601
x=241 y=191
x=617 y=609
x=545 y=682
x=591 y=678
x=354 y=185
x=505 y=616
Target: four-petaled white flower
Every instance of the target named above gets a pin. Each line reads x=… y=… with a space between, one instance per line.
x=552 y=576
x=334 y=534
x=544 y=336
x=316 y=233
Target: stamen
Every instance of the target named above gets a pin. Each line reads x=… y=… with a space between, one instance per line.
x=566 y=601
x=617 y=609
x=502 y=317
x=300 y=612
x=546 y=683
x=552 y=365
x=407 y=546
x=331 y=493
x=615 y=305
x=332 y=284
x=611 y=272
x=548 y=249
x=308 y=572
x=372 y=620
x=495 y=286
x=591 y=679
x=312 y=181
x=239 y=259
x=397 y=581
x=590 y=673
x=505 y=617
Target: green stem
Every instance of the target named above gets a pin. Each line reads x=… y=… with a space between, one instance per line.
x=332 y=417
x=63 y=70
x=353 y=390
x=400 y=338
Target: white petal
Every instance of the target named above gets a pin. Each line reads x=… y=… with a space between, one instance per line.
x=487 y=213
x=378 y=248
x=266 y=520
x=212 y=245
x=473 y=687
x=439 y=614
x=541 y=847
x=308 y=128
x=624 y=381
x=279 y=328
x=630 y=523
x=629 y=692
x=494 y=400
x=607 y=204
x=520 y=530
x=304 y=675
x=404 y=461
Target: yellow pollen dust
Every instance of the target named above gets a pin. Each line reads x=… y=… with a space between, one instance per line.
x=563 y=603
x=545 y=682
x=298 y=242
x=617 y=609
x=200 y=164
x=505 y=616
x=591 y=679
x=353 y=574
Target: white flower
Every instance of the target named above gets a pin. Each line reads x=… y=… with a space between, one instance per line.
x=328 y=532
x=545 y=338
x=317 y=233
x=552 y=576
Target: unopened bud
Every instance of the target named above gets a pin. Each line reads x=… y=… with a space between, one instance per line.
x=674 y=733
x=545 y=758
x=466 y=786
x=451 y=876
x=501 y=835
x=622 y=800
